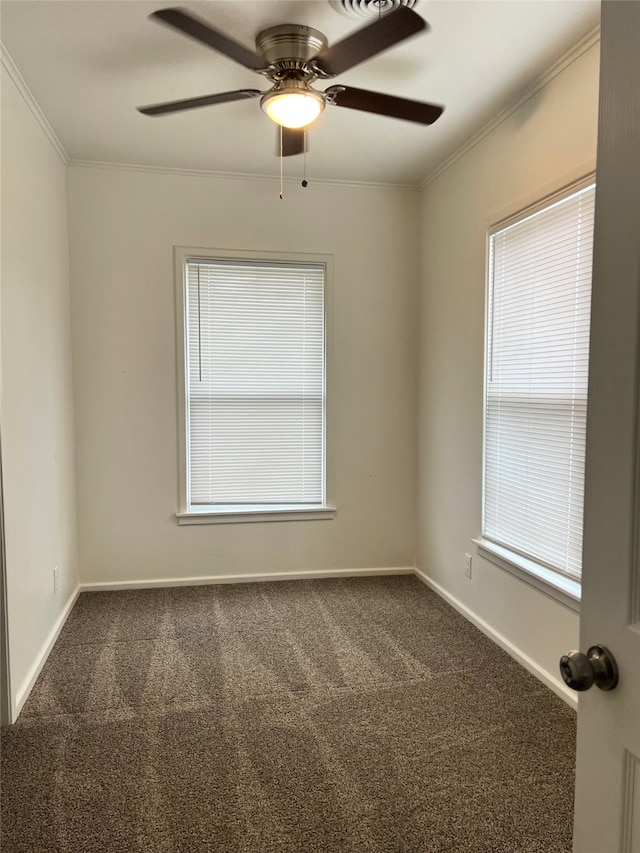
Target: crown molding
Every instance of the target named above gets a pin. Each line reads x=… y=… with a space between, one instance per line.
x=233 y=176
x=31 y=102
x=592 y=38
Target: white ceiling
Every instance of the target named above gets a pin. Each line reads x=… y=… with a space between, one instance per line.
x=89 y=63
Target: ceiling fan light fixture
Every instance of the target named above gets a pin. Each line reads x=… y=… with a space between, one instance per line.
x=293 y=104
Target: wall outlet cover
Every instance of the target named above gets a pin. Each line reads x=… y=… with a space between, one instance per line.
x=467 y=565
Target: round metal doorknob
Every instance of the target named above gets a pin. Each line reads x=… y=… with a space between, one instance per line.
x=598 y=666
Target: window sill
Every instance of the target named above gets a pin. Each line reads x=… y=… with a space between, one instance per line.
x=239 y=515
x=559 y=587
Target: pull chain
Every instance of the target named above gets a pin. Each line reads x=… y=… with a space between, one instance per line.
x=281 y=165
x=199 y=332
x=305 y=182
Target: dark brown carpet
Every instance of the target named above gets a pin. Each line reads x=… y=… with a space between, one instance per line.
x=290 y=717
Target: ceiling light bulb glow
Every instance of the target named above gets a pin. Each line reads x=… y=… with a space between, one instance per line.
x=293 y=108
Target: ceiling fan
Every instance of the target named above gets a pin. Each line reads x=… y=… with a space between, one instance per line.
x=293 y=57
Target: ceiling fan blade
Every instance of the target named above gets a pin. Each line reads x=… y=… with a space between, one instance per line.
x=293 y=141
x=369 y=41
x=384 y=105
x=193 y=103
x=205 y=33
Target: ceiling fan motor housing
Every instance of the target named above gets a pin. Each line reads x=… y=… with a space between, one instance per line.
x=288 y=50
x=290 y=43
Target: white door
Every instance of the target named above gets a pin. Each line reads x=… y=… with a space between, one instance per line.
x=607 y=815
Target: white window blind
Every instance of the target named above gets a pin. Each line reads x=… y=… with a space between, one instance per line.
x=536 y=382
x=255 y=384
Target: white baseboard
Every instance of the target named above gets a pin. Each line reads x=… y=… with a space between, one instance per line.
x=252 y=578
x=534 y=668
x=22 y=694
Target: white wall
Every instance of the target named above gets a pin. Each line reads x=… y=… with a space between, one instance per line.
x=123 y=226
x=548 y=141
x=36 y=394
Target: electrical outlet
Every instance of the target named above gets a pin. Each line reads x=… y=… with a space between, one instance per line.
x=467 y=565
x=55 y=579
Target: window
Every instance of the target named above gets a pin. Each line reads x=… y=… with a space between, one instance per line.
x=536 y=388
x=255 y=404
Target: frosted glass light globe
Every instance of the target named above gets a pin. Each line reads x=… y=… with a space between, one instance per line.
x=295 y=107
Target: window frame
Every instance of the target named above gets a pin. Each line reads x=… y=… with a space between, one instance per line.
x=553 y=583
x=198 y=514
